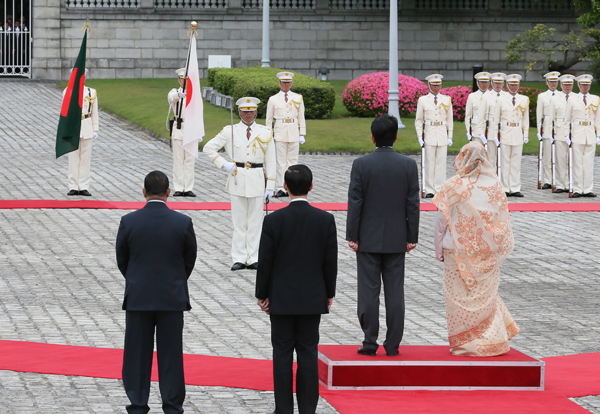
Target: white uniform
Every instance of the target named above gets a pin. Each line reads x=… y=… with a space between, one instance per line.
x=247 y=188
x=486 y=115
x=80 y=160
x=183 y=161
x=544 y=129
x=473 y=122
x=584 y=119
x=512 y=112
x=558 y=109
x=289 y=126
x=439 y=125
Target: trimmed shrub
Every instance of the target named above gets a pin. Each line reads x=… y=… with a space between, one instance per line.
x=262 y=83
x=459 y=96
x=367 y=95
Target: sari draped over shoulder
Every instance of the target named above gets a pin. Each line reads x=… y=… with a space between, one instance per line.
x=476 y=210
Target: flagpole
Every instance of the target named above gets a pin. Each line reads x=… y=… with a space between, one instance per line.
x=191 y=32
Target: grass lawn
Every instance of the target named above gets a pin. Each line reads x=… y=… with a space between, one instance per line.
x=144 y=103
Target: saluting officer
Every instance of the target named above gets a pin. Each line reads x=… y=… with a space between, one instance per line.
x=511 y=132
x=286 y=111
x=434 y=113
x=544 y=126
x=584 y=118
x=250 y=147
x=558 y=110
x=80 y=160
x=183 y=161
x=486 y=115
x=474 y=124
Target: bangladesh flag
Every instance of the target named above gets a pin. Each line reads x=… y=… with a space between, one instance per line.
x=69 y=125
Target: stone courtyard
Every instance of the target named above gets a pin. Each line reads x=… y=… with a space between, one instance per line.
x=59 y=282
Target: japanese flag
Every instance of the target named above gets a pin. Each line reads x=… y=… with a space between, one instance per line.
x=193 y=130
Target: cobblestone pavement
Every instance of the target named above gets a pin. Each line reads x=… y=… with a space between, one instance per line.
x=59 y=282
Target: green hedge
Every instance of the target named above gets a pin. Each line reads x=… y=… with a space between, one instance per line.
x=262 y=83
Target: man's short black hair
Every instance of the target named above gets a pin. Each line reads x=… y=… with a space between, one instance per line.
x=385 y=130
x=156 y=183
x=298 y=179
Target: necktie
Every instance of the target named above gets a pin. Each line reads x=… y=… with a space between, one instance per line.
x=286 y=97
x=514 y=101
x=552 y=93
x=584 y=101
x=567 y=97
x=248 y=133
x=498 y=94
x=435 y=100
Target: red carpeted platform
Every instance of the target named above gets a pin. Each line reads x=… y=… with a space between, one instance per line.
x=190 y=205
x=426 y=368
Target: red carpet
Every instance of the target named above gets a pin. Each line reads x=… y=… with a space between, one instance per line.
x=186 y=205
x=567 y=376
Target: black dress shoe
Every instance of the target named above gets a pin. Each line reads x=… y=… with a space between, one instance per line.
x=576 y=195
x=85 y=193
x=73 y=193
x=588 y=195
x=253 y=266
x=428 y=195
x=281 y=193
x=178 y=194
x=559 y=190
x=517 y=194
x=508 y=194
x=365 y=351
x=393 y=353
x=238 y=266
x=189 y=194
x=546 y=186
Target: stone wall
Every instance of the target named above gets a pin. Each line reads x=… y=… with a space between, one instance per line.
x=146 y=43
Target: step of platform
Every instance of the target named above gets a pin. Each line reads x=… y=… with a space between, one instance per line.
x=427 y=368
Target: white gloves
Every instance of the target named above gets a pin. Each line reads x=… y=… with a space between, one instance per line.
x=421 y=142
x=496 y=141
x=268 y=194
x=302 y=140
x=552 y=139
x=597 y=140
x=539 y=136
x=469 y=136
x=483 y=139
x=525 y=140
x=95 y=134
x=181 y=94
x=230 y=167
x=449 y=142
x=568 y=140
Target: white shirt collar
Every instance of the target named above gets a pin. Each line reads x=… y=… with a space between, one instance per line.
x=299 y=199
x=251 y=126
x=282 y=93
x=156 y=201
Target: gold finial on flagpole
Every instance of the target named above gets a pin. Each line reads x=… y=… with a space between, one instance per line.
x=86 y=24
x=192 y=28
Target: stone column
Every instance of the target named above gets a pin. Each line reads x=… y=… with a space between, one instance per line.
x=265 y=62
x=322 y=7
x=393 y=92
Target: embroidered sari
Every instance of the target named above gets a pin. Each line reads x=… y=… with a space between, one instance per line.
x=476 y=210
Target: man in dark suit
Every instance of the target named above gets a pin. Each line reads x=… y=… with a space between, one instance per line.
x=295 y=284
x=156 y=252
x=382 y=226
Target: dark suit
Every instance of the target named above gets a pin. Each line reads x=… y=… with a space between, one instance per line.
x=297 y=271
x=156 y=252
x=383 y=215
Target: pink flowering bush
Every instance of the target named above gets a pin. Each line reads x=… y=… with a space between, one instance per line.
x=459 y=95
x=367 y=95
x=532 y=93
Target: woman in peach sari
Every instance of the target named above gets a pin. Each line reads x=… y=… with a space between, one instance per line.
x=473 y=237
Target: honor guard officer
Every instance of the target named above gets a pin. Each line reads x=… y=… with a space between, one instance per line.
x=584 y=118
x=183 y=161
x=511 y=132
x=286 y=111
x=80 y=159
x=558 y=110
x=474 y=124
x=250 y=147
x=486 y=115
x=544 y=126
x=434 y=127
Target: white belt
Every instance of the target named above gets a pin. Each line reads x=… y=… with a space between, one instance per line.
x=512 y=124
x=287 y=121
x=475 y=117
x=546 y=116
x=559 y=119
x=435 y=123
x=584 y=123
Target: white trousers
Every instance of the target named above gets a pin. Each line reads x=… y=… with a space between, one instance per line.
x=435 y=168
x=561 y=165
x=247 y=215
x=546 y=161
x=492 y=152
x=287 y=155
x=511 y=167
x=79 y=166
x=583 y=168
x=183 y=167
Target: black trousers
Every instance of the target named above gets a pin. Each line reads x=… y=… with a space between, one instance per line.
x=137 y=359
x=372 y=268
x=299 y=332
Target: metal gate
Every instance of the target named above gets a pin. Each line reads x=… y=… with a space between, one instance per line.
x=15 y=38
